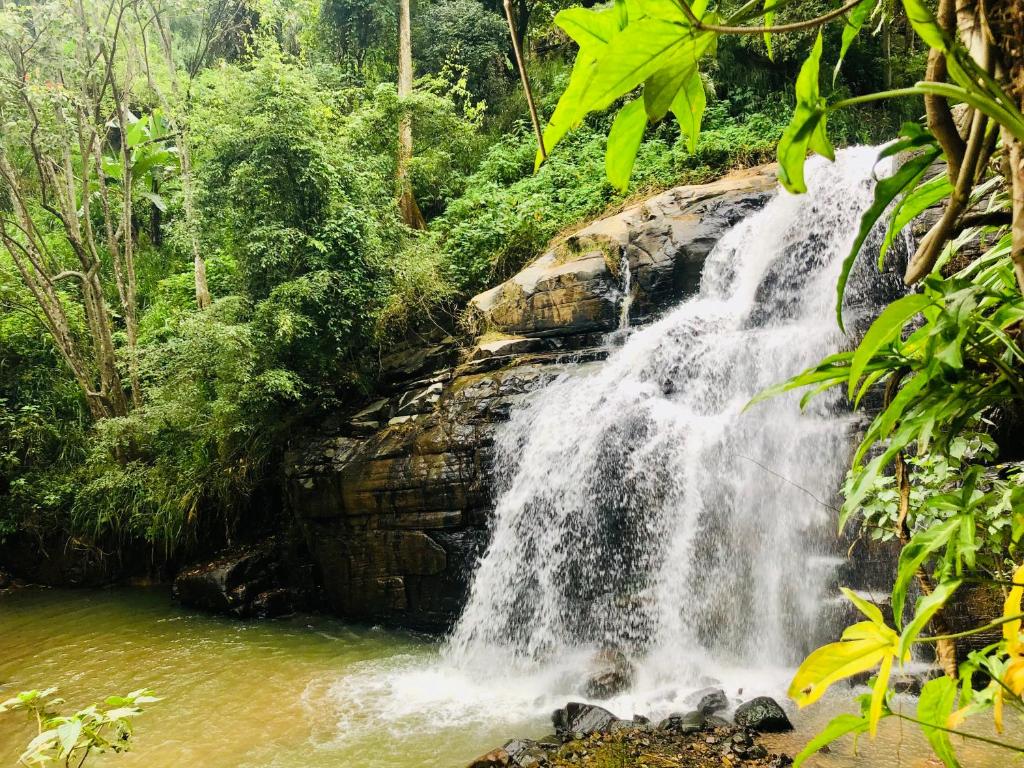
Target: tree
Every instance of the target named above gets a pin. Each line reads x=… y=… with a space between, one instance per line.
x=68 y=159
x=406 y=202
x=217 y=22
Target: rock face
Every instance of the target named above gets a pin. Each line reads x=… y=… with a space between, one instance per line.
x=394 y=497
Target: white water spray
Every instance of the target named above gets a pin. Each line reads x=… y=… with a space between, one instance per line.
x=641 y=508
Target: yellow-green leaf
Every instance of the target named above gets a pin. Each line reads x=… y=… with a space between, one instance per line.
x=863 y=647
x=623 y=143
x=688 y=107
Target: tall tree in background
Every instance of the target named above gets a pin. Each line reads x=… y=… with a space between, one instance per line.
x=68 y=157
x=411 y=214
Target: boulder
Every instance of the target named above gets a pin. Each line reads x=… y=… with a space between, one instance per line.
x=689 y=722
x=244 y=582
x=576 y=717
x=526 y=753
x=762 y=714
x=709 y=700
x=612 y=674
x=496 y=758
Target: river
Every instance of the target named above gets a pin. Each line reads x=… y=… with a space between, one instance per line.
x=308 y=691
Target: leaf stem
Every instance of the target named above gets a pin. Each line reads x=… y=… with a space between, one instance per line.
x=986 y=740
x=967 y=633
x=794 y=27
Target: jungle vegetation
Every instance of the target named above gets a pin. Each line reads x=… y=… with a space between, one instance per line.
x=211 y=234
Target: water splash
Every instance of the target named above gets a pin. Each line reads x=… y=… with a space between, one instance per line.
x=634 y=509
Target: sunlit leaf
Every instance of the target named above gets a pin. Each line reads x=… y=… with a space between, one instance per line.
x=807 y=127
x=623 y=142
x=688 y=108
x=839 y=726
x=933 y=710
x=912 y=557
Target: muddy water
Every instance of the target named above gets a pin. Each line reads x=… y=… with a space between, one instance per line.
x=305 y=692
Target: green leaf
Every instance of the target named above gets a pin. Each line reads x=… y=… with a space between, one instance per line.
x=917 y=550
x=590 y=29
x=886 y=328
x=661 y=89
x=933 y=709
x=636 y=53
x=567 y=114
x=156 y=200
x=925 y=196
x=886 y=191
x=688 y=108
x=769 y=19
x=839 y=726
x=927 y=606
x=807 y=126
x=869 y=609
x=863 y=647
x=854 y=21
x=623 y=142
x=923 y=22
x=67 y=735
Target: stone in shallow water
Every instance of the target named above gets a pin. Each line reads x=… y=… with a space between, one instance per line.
x=763 y=714
x=576 y=717
x=709 y=700
x=612 y=674
x=496 y=758
x=690 y=722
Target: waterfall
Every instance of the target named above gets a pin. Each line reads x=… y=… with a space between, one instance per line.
x=641 y=508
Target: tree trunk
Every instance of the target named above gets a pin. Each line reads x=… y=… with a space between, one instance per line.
x=411 y=214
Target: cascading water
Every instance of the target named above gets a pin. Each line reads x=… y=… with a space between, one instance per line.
x=641 y=508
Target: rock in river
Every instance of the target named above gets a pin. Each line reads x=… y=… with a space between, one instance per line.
x=763 y=714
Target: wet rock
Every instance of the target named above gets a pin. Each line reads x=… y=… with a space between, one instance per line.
x=272 y=603
x=709 y=700
x=235 y=583
x=613 y=673
x=762 y=714
x=583 y=719
x=496 y=758
x=689 y=722
x=525 y=753
x=393 y=497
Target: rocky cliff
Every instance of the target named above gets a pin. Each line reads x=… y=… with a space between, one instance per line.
x=394 y=498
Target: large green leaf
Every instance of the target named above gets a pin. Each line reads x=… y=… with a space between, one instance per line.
x=662 y=87
x=807 y=127
x=623 y=142
x=927 y=606
x=839 y=726
x=886 y=328
x=863 y=646
x=567 y=114
x=916 y=202
x=636 y=53
x=886 y=191
x=923 y=22
x=688 y=107
x=912 y=557
x=591 y=29
x=854 y=21
x=933 y=709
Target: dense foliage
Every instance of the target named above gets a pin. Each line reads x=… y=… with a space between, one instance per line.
x=232 y=208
